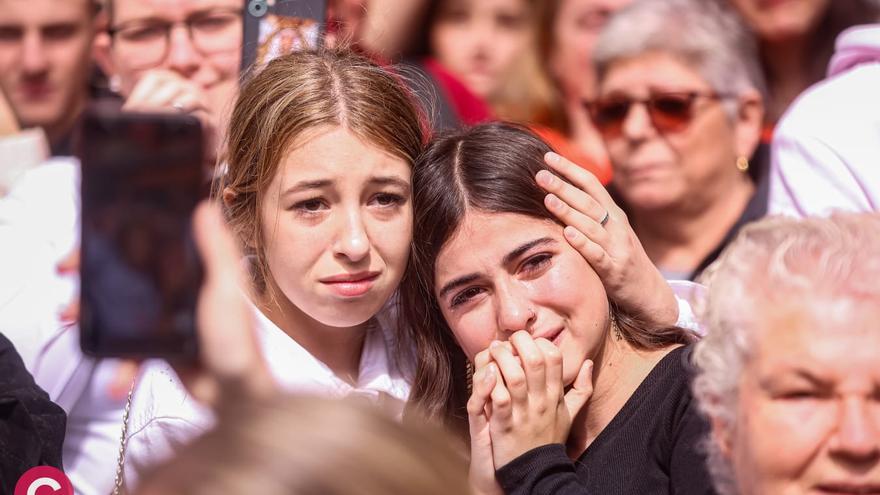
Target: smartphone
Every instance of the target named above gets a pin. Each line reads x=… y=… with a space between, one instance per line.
x=142 y=177
x=277 y=27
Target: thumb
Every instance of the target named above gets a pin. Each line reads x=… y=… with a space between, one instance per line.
x=581 y=390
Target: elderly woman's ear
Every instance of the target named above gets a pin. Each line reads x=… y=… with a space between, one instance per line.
x=749 y=122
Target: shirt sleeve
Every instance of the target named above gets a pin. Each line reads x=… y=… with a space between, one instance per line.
x=545 y=469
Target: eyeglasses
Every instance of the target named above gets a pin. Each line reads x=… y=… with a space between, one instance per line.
x=669 y=112
x=144 y=43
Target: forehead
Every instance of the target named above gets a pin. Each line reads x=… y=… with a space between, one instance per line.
x=172 y=9
x=45 y=11
x=483 y=239
x=653 y=70
x=840 y=338
x=331 y=152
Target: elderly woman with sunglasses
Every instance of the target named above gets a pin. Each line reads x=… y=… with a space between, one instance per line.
x=680 y=108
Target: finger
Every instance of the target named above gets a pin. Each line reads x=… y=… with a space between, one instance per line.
x=579 y=177
x=482 y=359
x=595 y=254
x=228 y=344
x=553 y=362
x=581 y=390
x=70 y=313
x=532 y=360
x=575 y=197
x=70 y=263
x=512 y=373
x=484 y=383
x=501 y=408
x=144 y=88
x=574 y=218
x=123 y=379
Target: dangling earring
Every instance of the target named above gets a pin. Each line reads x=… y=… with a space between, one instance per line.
x=742 y=164
x=614 y=327
x=469 y=372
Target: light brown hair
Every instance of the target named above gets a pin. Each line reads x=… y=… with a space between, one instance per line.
x=312 y=446
x=292 y=95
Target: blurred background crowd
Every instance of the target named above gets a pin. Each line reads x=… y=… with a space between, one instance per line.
x=700 y=118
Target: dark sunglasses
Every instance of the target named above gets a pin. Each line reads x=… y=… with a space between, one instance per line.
x=669 y=111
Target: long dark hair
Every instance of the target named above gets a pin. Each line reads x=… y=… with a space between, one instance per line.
x=490 y=168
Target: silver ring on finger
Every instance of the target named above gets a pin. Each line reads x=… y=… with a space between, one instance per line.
x=605 y=218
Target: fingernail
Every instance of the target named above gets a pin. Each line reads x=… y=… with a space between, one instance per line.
x=544 y=178
x=553 y=201
x=551 y=158
x=494 y=345
x=571 y=233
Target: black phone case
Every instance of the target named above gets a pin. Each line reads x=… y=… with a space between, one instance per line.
x=142 y=177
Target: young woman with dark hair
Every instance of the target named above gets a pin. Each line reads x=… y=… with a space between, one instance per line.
x=498 y=284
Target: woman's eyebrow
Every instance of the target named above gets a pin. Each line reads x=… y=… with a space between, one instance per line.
x=306 y=185
x=509 y=258
x=512 y=256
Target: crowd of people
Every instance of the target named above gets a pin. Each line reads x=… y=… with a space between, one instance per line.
x=465 y=246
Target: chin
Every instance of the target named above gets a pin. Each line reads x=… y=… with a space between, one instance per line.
x=350 y=314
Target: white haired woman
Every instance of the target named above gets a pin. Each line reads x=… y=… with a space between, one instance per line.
x=789 y=373
x=679 y=106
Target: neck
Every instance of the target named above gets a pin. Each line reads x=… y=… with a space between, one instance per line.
x=680 y=236
x=58 y=131
x=788 y=69
x=620 y=369
x=339 y=348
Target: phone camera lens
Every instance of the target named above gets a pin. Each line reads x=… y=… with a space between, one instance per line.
x=258 y=8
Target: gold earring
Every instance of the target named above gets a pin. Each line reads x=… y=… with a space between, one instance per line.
x=469 y=372
x=742 y=164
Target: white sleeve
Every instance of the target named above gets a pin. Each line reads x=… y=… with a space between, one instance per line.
x=163 y=417
x=20 y=152
x=808 y=177
x=689 y=296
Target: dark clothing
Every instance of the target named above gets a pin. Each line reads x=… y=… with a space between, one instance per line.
x=652 y=446
x=31 y=425
x=756 y=208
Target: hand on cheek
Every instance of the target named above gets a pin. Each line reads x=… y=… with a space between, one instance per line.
x=528 y=407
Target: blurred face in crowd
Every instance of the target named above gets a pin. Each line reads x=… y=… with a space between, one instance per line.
x=45 y=48
x=504 y=272
x=203 y=43
x=337 y=223
x=681 y=146
x=808 y=415
x=778 y=21
x=575 y=29
x=480 y=40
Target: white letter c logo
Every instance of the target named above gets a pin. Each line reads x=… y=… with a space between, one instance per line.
x=40 y=483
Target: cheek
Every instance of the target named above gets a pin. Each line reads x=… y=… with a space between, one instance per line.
x=777 y=440
x=392 y=240
x=473 y=331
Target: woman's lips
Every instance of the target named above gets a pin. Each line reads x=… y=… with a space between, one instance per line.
x=351 y=285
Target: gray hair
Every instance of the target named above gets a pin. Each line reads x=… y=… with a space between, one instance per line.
x=773 y=262
x=708 y=37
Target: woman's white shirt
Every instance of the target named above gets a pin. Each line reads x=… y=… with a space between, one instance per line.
x=163 y=416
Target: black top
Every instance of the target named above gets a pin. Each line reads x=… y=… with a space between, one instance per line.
x=652 y=446
x=31 y=425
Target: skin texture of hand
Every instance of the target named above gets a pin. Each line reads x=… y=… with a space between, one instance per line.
x=230 y=362
x=529 y=407
x=168 y=91
x=580 y=201
x=482 y=467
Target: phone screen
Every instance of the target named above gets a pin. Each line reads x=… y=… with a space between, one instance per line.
x=274 y=28
x=142 y=177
